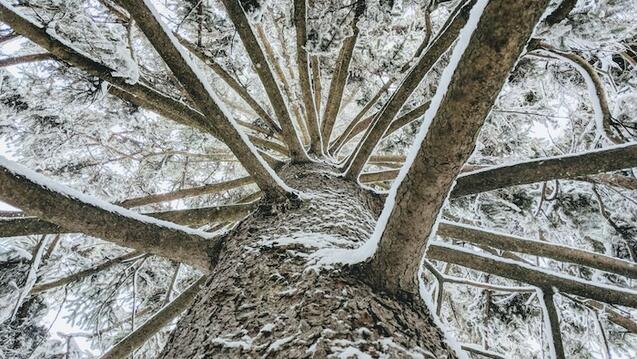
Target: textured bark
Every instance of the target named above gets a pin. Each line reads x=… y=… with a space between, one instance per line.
x=242 y=25
x=408 y=85
x=483 y=68
x=176 y=59
x=265 y=298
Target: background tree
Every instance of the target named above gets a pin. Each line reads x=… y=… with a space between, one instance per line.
x=318 y=178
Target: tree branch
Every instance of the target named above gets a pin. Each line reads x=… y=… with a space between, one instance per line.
x=561 y=12
x=24 y=59
x=471 y=84
x=544 y=169
x=530 y=274
x=199 y=91
x=339 y=77
x=26 y=226
x=408 y=85
x=302 y=63
x=38 y=196
x=598 y=93
x=231 y=82
x=544 y=249
x=42 y=287
x=153 y=325
x=262 y=68
x=552 y=323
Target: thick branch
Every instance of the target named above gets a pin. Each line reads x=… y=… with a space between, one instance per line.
x=24 y=59
x=54 y=203
x=339 y=77
x=544 y=169
x=544 y=249
x=409 y=84
x=302 y=63
x=530 y=274
x=153 y=325
x=561 y=12
x=187 y=73
x=262 y=68
x=471 y=84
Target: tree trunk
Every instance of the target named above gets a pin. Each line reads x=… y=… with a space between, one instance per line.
x=268 y=298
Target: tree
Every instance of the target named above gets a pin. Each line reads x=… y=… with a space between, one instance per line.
x=280 y=216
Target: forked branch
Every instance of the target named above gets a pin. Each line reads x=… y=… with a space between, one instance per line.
x=188 y=75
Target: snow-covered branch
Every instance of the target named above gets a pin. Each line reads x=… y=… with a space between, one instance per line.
x=487 y=49
x=24 y=59
x=552 y=323
x=77 y=212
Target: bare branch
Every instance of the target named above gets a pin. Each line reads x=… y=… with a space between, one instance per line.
x=477 y=350
x=592 y=79
x=231 y=82
x=316 y=82
x=544 y=249
x=530 y=274
x=77 y=212
x=153 y=325
x=24 y=59
x=561 y=12
x=613 y=315
x=41 y=287
x=409 y=84
x=262 y=68
x=544 y=169
x=302 y=63
x=477 y=75
x=552 y=323
x=339 y=77
x=188 y=192
x=199 y=91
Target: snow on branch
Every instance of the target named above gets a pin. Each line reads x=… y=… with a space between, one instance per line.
x=153 y=325
x=532 y=275
x=405 y=89
x=24 y=59
x=487 y=49
x=78 y=212
x=188 y=74
x=558 y=252
x=262 y=67
x=548 y=168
